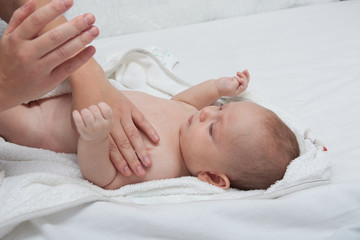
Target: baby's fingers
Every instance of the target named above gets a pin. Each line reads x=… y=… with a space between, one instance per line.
x=241 y=75
x=242 y=85
x=106 y=111
x=79 y=123
x=247 y=74
x=96 y=114
x=244 y=74
x=88 y=117
x=240 y=80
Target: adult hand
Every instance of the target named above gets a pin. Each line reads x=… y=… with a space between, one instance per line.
x=31 y=65
x=128 y=152
x=125 y=135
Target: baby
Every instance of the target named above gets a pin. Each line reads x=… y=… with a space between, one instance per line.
x=240 y=144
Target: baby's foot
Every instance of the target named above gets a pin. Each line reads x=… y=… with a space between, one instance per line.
x=95 y=122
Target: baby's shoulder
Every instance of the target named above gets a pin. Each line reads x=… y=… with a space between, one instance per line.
x=184 y=105
x=167 y=163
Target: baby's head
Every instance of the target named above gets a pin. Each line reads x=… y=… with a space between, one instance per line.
x=241 y=144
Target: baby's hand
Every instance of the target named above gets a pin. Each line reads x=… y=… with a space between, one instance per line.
x=233 y=86
x=94 y=123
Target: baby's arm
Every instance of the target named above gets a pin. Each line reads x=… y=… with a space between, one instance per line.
x=94 y=125
x=208 y=92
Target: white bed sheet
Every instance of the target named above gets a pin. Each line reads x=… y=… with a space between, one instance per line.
x=304 y=60
x=147 y=15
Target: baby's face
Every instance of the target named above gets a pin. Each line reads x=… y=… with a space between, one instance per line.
x=206 y=136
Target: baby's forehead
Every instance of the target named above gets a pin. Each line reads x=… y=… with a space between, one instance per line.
x=246 y=108
x=243 y=119
x=245 y=104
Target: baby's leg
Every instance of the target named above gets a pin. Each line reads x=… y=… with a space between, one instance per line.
x=23 y=125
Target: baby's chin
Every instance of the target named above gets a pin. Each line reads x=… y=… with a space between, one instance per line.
x=182 y=131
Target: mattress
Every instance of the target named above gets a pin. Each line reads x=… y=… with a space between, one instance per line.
x=304 y=60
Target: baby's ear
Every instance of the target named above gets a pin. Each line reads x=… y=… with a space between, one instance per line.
x=218 y=179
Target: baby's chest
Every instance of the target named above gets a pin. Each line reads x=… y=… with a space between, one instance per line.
x=165 y=164
x=166 y=155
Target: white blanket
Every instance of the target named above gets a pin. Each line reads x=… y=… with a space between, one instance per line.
x=36 y=182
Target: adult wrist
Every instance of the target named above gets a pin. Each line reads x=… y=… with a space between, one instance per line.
x=7 y=98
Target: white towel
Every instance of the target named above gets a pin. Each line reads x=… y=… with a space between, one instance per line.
x=3 y=26
x=36 y=182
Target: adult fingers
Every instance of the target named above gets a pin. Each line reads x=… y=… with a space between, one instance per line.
x=19 y=16
x=33 y=24
x=62 y=71
x=117 y=159
x=63 y=33
x=122 y=138
x=137 y=141
x=145 y=126
x=69 y=48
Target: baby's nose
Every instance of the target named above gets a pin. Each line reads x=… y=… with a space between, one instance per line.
x=207 y=113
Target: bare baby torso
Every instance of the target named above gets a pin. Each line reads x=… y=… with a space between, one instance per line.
x=165 y=116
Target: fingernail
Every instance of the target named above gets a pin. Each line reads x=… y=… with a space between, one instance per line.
x=93 y=31
x=66 y=3
x=89 y=19
x=127 y=171
x=156 y=137
x=147 y=161
x=140 y=171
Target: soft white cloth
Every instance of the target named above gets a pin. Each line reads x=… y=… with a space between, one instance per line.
x=36 y=182
x=3 y=26
x=138 y=16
